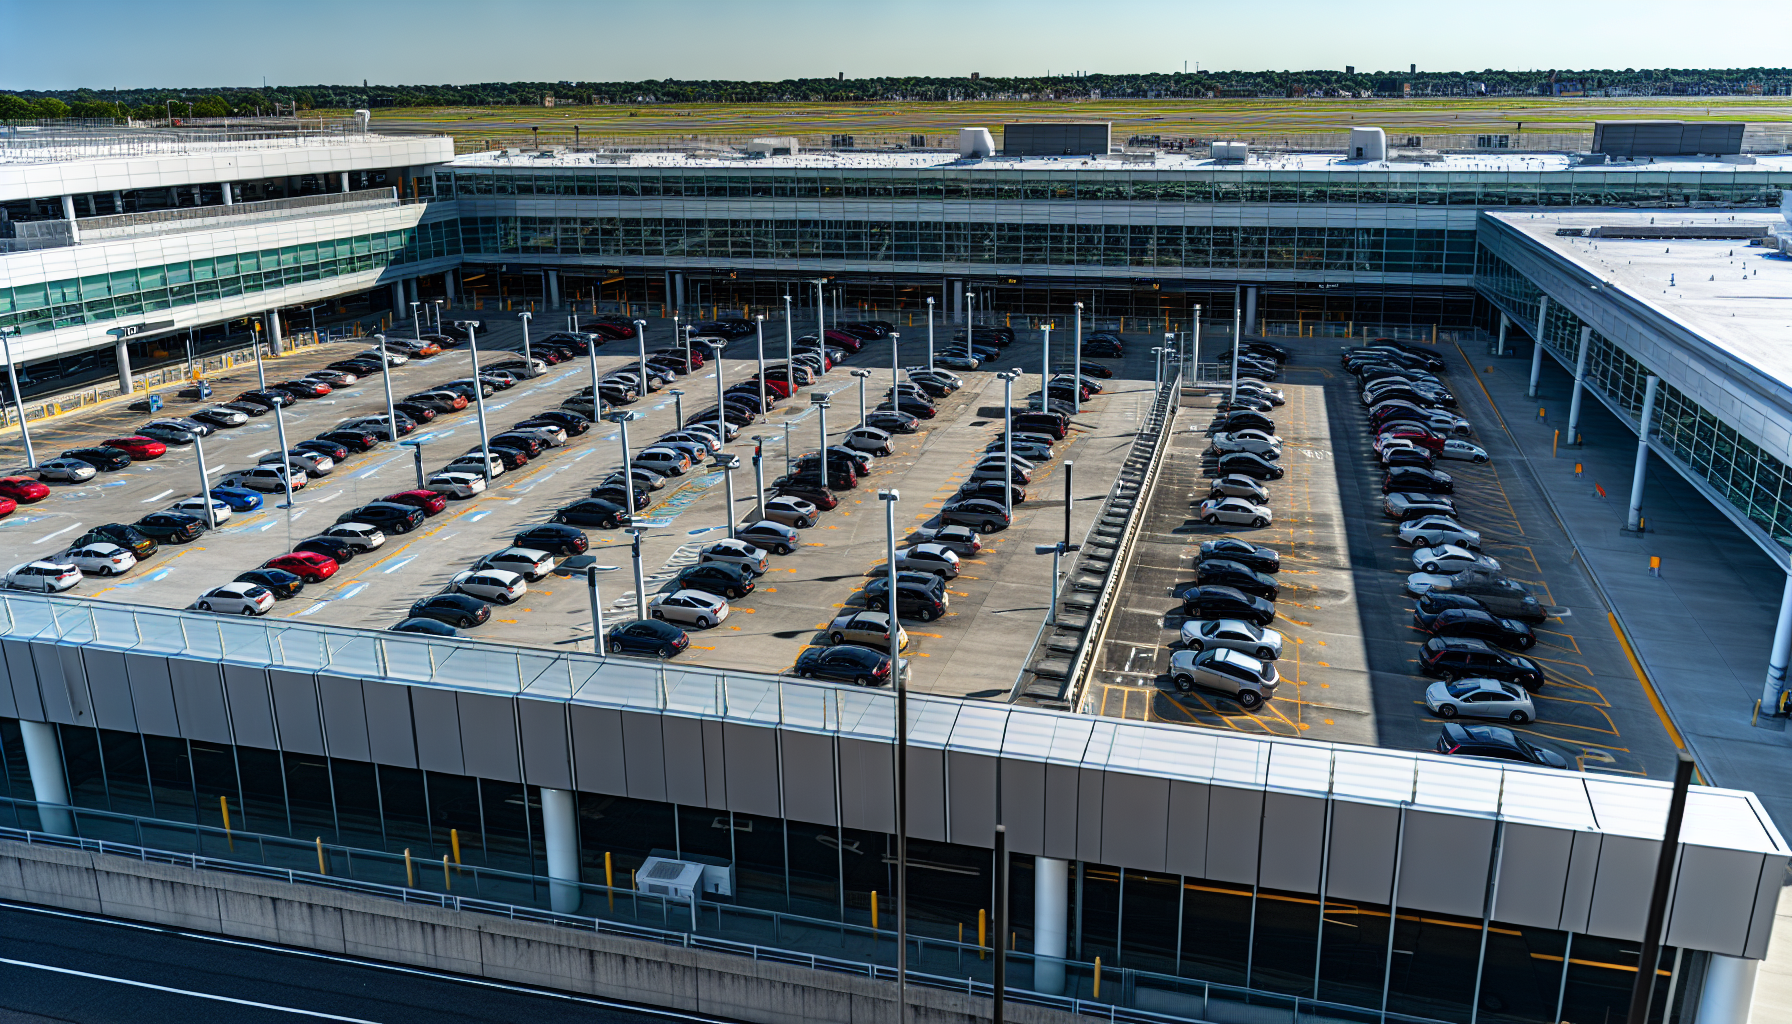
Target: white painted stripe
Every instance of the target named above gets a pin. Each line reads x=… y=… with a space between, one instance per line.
x=158 y=497
x=183 y=991
x=58 y=533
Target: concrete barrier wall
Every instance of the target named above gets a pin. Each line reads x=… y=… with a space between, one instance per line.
x=472 y=944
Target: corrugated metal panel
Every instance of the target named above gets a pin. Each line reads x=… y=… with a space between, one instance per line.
x=644 y=749
x=1185 y=844
x=546 y=761
x=715 y=766
x=1134 y=820
x=199 y=699
x=1234 y=823
x=438 y=730
x=1533 y=875
x=109 y=686
x=21 y=671
x=1023 y=804
x=597 y=751
x=152 y=694
x=345 y=716
x=751 y=770
x=390 y=735
x=868 y=786
x=488 y=736
x=971 y=781
x=808 y=778
x=251 y=712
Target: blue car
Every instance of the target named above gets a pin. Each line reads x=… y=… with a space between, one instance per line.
x=240 y=499
x=647 y=636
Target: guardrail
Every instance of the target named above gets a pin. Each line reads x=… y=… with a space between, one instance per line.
x=120 y=225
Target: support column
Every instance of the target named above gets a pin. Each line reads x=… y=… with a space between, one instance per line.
x=1051 y=922
x=118 y=200
x=560 y=832
x=410 y=285
x=399 y=309
x=1580 y=380
x=1642 y=455
x=121 y=351
x=1250 y=311
x=68 y=214
x=1505 y=323
x=448 y=284
x=1729 y=991
x=554 y=289
x=229 y=194
x=345 y=181
x=43 y=760
x=1537 y=352
x=1777 y=658
x=276 y=337
x=678 y=293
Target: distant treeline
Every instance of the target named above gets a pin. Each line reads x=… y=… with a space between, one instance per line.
x=224 y=102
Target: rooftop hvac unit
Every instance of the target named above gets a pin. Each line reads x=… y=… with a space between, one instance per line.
x=1231 y=151
x=683 y=879
x=975 y=143
x=1368 y=144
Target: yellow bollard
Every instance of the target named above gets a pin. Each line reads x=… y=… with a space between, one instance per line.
x=610 y=881
x=447 y=883
x=874 y=910
x=454 y=843
x=410 y=876
x=982 y=931
x=322 y=868
x=224 y=806
x=1554 y=443
x=1098 y=977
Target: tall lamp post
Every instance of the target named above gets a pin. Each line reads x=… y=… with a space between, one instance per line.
x=622 y=420
x=930 y=332
x=1008 y=377
x=678 y=405
x=391 y=413
x=597 y=609
x=485 y=445
x=1076 y=359
x=729 y=464
x=205 y=483
x=895 y=363
x=862 y=375
x=789 y=342
x=788 y=426
x=640 y=580
x=261 y=376
x=527 y=355
x=890 y=497
x=721 y=410
x=1045 y=361
x=759 y=327
x=970 y=321
x=437 y=303
x=759 y=474
x=641 y=355
x=1237 y=343
x=820 y=401
x=18 y=400
x=820 y=309
x=417 y=319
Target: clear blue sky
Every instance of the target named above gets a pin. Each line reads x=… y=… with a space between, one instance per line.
x=196 y=43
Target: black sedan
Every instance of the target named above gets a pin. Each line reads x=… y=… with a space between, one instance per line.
x=600 y=512
x=166 y=434
x=389 y=516
x=894 y=421
x=911 y=405
x=1099 y=345
x=426 y=626
x=270 y=398
x=724 y=578
x=529 y=444
x=512 y=458
x=1432 y=602
x=336 y=452
x=249 y=409
x=1244 y=419
x=1218 y=602
x=1219 y=572
x=455 y=609
x=415 y=410
x=358 y=367
x=127 y=537
x=731 y=413
x=1250 y=464
x=980 y=514
x=554 y=538
x=571 y=422
x=1254 y=556
x=170 y=527
x=280 y=583
x=353 y=440
x=992 y=490
x=1404 y=456
x=329 y=547
x=647 y=636
x=1086 y=369
x=101 y=458
x=1417 y=480
x=846 y=663
x=1477 y=624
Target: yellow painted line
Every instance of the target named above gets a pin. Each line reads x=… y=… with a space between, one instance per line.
x=1642 y=677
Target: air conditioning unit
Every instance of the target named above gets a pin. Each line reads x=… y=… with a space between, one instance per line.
x=681 y=879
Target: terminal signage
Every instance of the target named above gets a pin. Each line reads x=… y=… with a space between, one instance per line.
x=136 y=329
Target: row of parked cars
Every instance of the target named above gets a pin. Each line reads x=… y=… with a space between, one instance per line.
x=1476 y=619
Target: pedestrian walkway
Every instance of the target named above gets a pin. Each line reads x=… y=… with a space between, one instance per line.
x=1702 y=628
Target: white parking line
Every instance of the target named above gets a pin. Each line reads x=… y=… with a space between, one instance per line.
x=58 y=533
x=158 y=497
x=181 y=991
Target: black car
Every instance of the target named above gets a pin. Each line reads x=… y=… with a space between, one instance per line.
x=925 y=601
x=335 y=451
x=249 y=409
x=600 y=512
x=554 y=538
x=1417 y=480
x=1086 y=369
x=571 y=422
x=280 y=583
x=1477 y=624
x=617 y=494
x=353 y=440
x=529 y=443
x=724 y=578
x=1252 y=556
x=1098 y=345
x=910 y=404
x=535 y=421
x=127 y=537
x=101 y=458
x=270 y=398
x=980 y=514
x=358 y=367
x=846 y=663
x=170 y=527
x=1244 y=419
x=1496 y=742
x=1220 y=572
x=841 y=476
x=731 y=413
x=461 y=610
x=512 y=458
x=329 y=547
x=415 y=410
x=389 y=516
x=993 y=490
x=1218 y=602
x=647 y=636
x=166 y=434
x=428 y=627
x=1052 y=424
x=1248 y=463
x=1463 y=658
x=893 y=421
x=1404 y=456
x=1431 y=602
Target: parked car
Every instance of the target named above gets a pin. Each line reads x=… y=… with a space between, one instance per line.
x=196 y=506
x=1235 y=510
x=100 y=558
x=124 y=536
x=45 y=575
x=1463 y=657
x=1497 y=593
x=981 y=514
x=1433 y=530
x=646 y=636
x=266 y=478
x=100 y=458
x=1233 y=634
x=334 y=548
x=769 y=536
x=846 y=663
x=389 y=516
x=933 y=558
x=1248 y=464
x=462 y=610
x=1480 y=698
x=23 y=490
x=1243 y=678
x=499 y=586
x=723 y=578
x=1239 y=486
x=1495 y=743
x=279 y=582
x=1223 y=573
x=554 y=538
x=1216 y=602
x=1477 y=624
x=236 y=598
x=428 y=500
x=689 y=607
x=170 y=527
x=140 y=449
x=1451 y=558
x=1407 y=506
x=600 y=512
x=307 y=565
x=1411 y=479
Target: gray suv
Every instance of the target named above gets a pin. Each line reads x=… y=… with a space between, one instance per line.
x=1243 y=678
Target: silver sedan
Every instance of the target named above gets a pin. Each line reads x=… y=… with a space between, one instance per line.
x=1245 y=679
x=1259 y=642
x=1481 y=698
x=1431 y=531
x=1450 y=558
x=690 y=607
x=73 y=470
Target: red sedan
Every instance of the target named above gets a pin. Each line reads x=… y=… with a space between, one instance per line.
x=307 y=565
x=140 y=449
x=303 y=388
x=429 y=501
x=774 y=386
x=1421 y=436
x=22 y=489
x=7 y=505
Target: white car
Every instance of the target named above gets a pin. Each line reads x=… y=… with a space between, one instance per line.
x=268 y=478
x=664 y=461
x=100 y=559
x=531 y=368
x=73 y=470
x=1258 y=389
x=869 y=439
x=375 y=425
x=1456 y=448
x=933 y=558
x=1250 y=440
x=195 y=507
x=359 y=536
x=690 y=607
x=470 y=463
x=311 y=462
x=791 y=511
x=457 y=483
x=499 y=586
x=1481 y=698
x=237 y=599
x=959 y=539
x=1259 y=642
x=1431 y=531
x=43 y=575
x=1449 y=559
x=393 y=356
x=1237 y=511
x=736 y=552
x=528 y=563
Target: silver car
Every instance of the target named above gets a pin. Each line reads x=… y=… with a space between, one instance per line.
x=1456 y=448
x=1480 y=698
x=73 y=470
x=1238 y=511
x=1449 y=558
x=529 y=563
x=961 y=540
x=359 y=536
x=1254 y=441
x=1431 y=531
x=736 y=552
x=690 y=607
x=1259 y=642
x=1243 y=678
x=313 y=463
x=1237 y=485
x=933 y=558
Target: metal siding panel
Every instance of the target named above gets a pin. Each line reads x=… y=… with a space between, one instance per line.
x=51 y=687
x=9 y=704
x=1767 y=894
x=808 y=778
x=643 y=747
x=1620 y=904
x=199 y=699
x=867 y=782
x=438 y=730
x=971 y=779
x=74 y=679
x=295 y=711
x=109 y=687
x=21 y=671
x=152 y=694
x=1444 y=863
x=1577 y=894
x=1234 y=826
x=1185 y=842
x=1293 y=842
x=683 y=759
x=715 y=767
x=390 y=739
x=545 y=758
x=1361 y=865
x=488 y=736
x=1533 y=875
x=1060 y=811
x=251 y=715
x=1134 y=821
x=927 y=793
x=1023 y=804
x=599 y=766
x=1088 y=814
x=751 y=769
x=345 y=716
x=1713 y=899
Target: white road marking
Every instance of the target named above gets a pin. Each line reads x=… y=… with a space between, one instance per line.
x=158 y=497
x=58 y=533
x=182 y=991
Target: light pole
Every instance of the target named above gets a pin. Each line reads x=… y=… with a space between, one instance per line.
x=863 y=376
x=1008 y=377
x=930 y=332
x=437 y=304
x=759 y=473
x=1045 y=362
x=621 y=419
x=820 y=309
x=640 y=580
x=261 y=376
x=1194 y=347
x=1057 y=551
x=687 y=345
x=597 y=402
x=1157 y=366
x=820 y=401
x=969 y=325
x=759 y=326
x=729 y=464
x=485 y=446
x=391 y=413
x=895 y=364
x=641 y=353
x=678 y=406
x=205 y=483
x=788 y=426
x=1069 y=496
x=890 y=497
x=416 y=319
x=721 y=411
x=678 y=333
x=1237 y=343
x=18 y=400
x=789 y=344
x=597 y=609
x=416 y=448
x=527 y=356
x=1076 y=359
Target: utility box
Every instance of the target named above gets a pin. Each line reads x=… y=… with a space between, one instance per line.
x=784 y=145
x=1057 y=138
x=1231 y=151
x=1368 y=144
x=975 y=143
x=684 y=879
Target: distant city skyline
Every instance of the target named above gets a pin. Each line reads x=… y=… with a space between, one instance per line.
x=399 y=42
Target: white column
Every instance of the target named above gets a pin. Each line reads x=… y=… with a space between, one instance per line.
x=448 y=285
x=560 y=834
x=1250 y=312
x=1580 y=378
x=399 y=309
x=123 y=355
x=1642 y=454
x=1729 y=991
x=554 y=289
x=118 y=202
x=275 y=335
x=1777 y=658
x=43 y=760
x=229 y=199
x=68 y=214
x=345 y=181
x=1051 y=921
x=1537 y=350
x=1505 y=322
x=677 y=291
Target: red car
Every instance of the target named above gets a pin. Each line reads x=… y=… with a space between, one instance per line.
x=303 y=388
x=307 y=565
x=1421 y=436
x=7 y=505
x=22 y=489
x=429 y=501
x=849 y=342
x=774 y=386
x=140 y=449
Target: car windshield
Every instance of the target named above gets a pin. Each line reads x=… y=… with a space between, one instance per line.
x=1462 y=688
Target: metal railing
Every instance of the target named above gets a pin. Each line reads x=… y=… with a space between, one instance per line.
x=59 y=141
x=118 y=225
